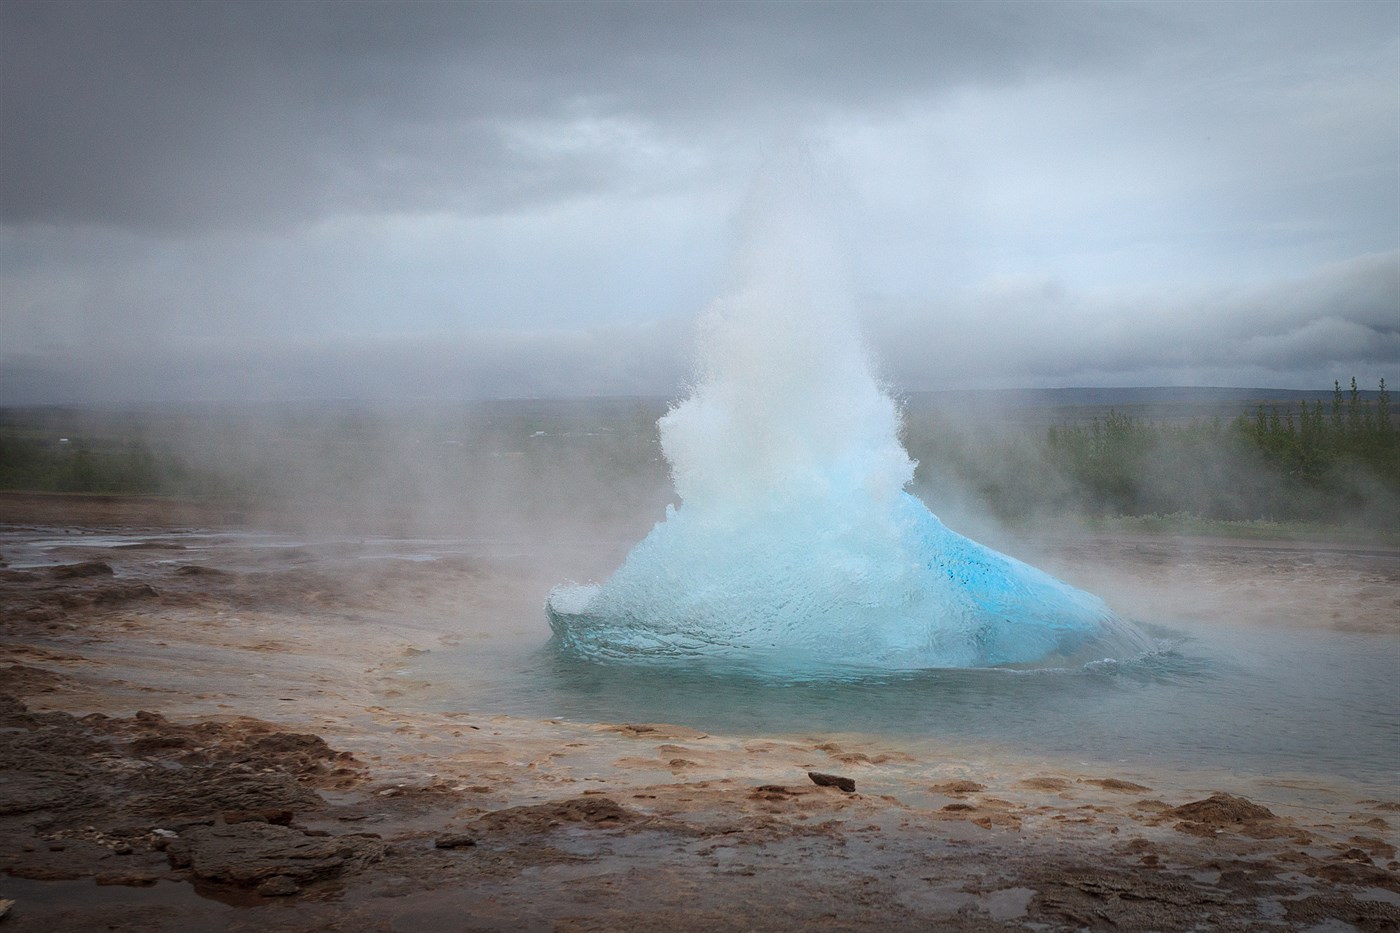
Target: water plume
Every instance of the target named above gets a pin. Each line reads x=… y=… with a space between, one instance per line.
x=796 y=546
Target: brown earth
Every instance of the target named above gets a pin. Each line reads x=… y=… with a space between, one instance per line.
x=211 y=734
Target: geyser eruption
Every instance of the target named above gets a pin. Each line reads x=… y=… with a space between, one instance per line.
x=796 y=547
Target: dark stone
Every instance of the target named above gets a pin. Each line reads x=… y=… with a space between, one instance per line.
x=832 y=780
x=279 y=886
x=195 y=570
x=88 y=568
x=252 y=853
x=454 y=841
x=265 y=815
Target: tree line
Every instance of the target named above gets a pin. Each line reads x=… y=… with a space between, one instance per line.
x=1318 y=462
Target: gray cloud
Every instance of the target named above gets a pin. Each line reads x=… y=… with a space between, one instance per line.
x=1306 y=330
x=167 y=116
x=532 y=198
x=647 y=359
x=1015 y=334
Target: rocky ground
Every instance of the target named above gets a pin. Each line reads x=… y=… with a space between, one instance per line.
x=204 y=733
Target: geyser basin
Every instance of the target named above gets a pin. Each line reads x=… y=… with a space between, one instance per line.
x=805 y=590
x=796 y=548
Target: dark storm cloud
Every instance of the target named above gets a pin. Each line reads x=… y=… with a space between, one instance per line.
x=247 y=199
x=170 y=115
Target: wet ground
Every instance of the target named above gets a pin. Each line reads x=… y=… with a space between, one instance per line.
x=210 y=727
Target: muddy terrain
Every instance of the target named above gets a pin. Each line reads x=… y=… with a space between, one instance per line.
x=202 y=731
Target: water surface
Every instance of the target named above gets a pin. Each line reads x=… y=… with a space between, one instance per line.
x=1309 y=702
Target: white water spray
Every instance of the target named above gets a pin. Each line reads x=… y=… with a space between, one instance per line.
x=796 y=547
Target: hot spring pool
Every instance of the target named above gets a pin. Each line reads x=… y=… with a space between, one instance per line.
x=1262 y=703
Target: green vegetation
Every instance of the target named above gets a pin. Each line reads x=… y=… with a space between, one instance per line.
x=1319 y=468
x=1184 y=523
x=98 y=466
x=1316 y=467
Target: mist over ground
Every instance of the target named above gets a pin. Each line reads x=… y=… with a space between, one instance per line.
x=338 y=339
x=305 y=246
x=989 y=463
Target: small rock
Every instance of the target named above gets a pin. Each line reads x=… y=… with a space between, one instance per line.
x=279 y=886
x=276 y=816
x=87 y=568
x=1222 y=809
x=130 y=879
x=1117 y=784
x=5 y=905
x=596 y=812
x=1045 y=783
x=196 y=570
x=1354 y=855
x=454 y=841
x=252 y=853
x=832 y=780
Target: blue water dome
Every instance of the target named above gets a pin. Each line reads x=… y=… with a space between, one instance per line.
x=796 y=547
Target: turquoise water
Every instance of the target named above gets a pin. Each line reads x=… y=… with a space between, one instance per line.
x=1256 y=699
x=797 y=548
x=846 y=581
x=1255 y=702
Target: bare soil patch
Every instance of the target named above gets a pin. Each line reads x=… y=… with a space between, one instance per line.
x=205 y=739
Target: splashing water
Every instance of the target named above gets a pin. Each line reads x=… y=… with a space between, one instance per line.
x=796 y=547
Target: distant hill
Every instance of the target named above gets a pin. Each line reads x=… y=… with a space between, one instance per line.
x=1072 y=405
x=1011 y=407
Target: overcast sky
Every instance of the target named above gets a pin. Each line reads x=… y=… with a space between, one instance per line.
x=281 y=200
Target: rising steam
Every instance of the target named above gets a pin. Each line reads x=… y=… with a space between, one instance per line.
x=796 y=546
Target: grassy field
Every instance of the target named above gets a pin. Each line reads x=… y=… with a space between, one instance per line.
x=1312 y=465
